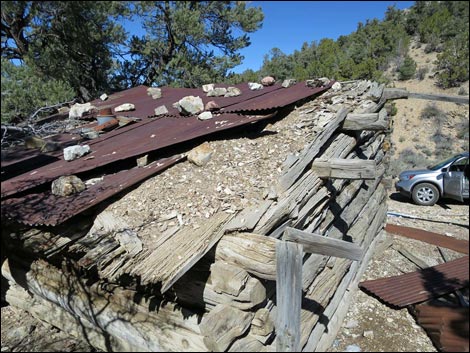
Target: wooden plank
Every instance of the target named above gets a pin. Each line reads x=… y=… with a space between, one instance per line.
x=288 y=296
x=223 y=325
x=338 y=168
x=395 y=93
x=309 y=153
x=439 y=97
x=177 y=255
x=318 y=244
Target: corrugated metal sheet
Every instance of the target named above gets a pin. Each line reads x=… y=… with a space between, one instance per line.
x=44 y=208
x=419 y=286
x=157 y=134
x=429 y=237
x=447 y=327
x=150 y=134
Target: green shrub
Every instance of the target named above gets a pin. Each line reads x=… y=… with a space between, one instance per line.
x=23 y=92
x=408 y=69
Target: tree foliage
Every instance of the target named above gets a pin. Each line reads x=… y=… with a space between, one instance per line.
x=69 y=41
x=188 y=43
x=23 y=92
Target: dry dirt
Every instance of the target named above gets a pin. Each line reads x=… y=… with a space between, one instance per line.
x=369 y=325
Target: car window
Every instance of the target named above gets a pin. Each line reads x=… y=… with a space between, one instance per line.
x=442 y=164
x=459 y=166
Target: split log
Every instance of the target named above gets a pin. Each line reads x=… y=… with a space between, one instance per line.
x=177 y=255
x=148 y=326
x=288 y=295
x=309 y=153
x=223 y=325
x=345 y=168
x=255 y=253
x=366 y=121
x=225 y=284
x=318 y=244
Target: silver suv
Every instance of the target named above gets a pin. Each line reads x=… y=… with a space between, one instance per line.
x=446 y=179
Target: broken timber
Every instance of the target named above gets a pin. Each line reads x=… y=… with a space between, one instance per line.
x=397 y=93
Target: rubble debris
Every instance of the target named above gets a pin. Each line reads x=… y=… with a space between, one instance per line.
x=124 y=107
x=217 y=92
x=190 y=105
x=207 y=88
x=318 y=82
x=142 y=161
x=254 y=86
x=233 y=92
x=268 y=81
x=161 y=110
x=77 y=110
x=205 y=116
x=67 y=185
x=211 y=106
x=201 y=154
x=288 y=82
x=155 y=92
x=74 y=152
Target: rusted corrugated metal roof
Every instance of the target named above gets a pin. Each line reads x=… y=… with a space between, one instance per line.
x=419 y=286
x=444 y=241
x=447 y=327
x=157 y=134
x=134 y=140
x=44 y=208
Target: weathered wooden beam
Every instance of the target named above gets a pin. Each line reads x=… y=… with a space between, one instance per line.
x=288 y=296
x=397 y=93
x=309 y=153
x=439 y=97
x=223 y=325
x=338 y=168
x=366 y=121
x=318 y=244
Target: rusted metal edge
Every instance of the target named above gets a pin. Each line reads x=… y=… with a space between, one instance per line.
x=47 y=209
x=444 y=241
x=422 y=285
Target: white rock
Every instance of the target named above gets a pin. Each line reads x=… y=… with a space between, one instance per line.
x=201 y=154
x=353 y=348
x=233 y=92
x=336 y=86
x=190 y=105
x=161 y=110
x=351 y=324
x=288 y=83
x=74 y=152
x=104 y=96
x=205 y=116
x=268 y=81
x=255 y=86
x=155 y=92
x=368 y=334
x=217 y=92
x=77 y=110
x=124 y=107
x=207 y=88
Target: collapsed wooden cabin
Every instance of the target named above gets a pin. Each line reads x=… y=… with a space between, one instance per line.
x=261 y=249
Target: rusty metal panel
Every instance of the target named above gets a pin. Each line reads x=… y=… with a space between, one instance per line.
x=419 y=286
x=444 y=241
x=279 y=98
x=44 y=208
x=144 y=138
x=447 y=327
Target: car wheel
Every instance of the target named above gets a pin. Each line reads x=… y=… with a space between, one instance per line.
x=425 y=194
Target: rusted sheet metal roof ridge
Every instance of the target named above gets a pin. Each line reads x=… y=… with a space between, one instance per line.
x=444 y=241
x=47 y=209
x=415 y=287
x=279 y=98
x=160 y=133
x=447 y=326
